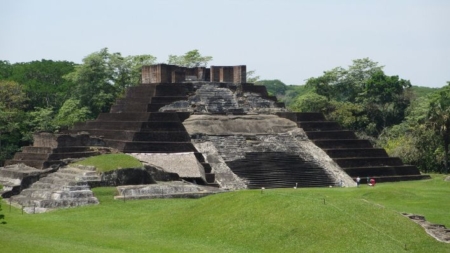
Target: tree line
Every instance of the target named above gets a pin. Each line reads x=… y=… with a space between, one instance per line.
x=410 y=122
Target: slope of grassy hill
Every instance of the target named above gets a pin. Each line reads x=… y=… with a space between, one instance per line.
x=365 y=219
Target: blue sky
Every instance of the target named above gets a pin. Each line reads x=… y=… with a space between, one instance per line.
x=284 y=39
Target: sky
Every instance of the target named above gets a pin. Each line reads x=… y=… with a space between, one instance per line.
x=289 y=40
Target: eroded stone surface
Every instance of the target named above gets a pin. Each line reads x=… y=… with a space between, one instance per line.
x=438 y=232
x=184 y=164
x=227 y=139
x=237 y=124
x=174 y=189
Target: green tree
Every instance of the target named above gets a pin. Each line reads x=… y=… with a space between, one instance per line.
x=385 y=99
x=70 y=113
x=5 y=70
x=348 y=115
x=342 y=84
x=252 y=77
x=43 y=81
x=439 y=119
x=310 y=102
x=274 y=87
x=103 y=76
x=41 y=120
x=190 y=59
x=12 y=117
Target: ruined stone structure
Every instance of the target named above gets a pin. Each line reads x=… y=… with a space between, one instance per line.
x=210 y=127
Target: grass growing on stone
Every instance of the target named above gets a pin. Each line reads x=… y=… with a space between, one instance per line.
x=361 y=219
x=110 y=162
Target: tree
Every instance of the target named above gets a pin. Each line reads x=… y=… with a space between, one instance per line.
x=12 y=117
x=385 y=99
x=344 y=85
x=5 y=70
x=43 y=81
x=310 y=102
x=70 y=113
x=190 y=59
x=252 y=77
x=348 y=115
x=103 y=76
x=274 y=87
x=439 y=119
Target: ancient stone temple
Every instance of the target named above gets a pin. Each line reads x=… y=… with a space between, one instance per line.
x=211 y=127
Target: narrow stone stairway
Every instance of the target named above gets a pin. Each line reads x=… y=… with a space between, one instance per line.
x=68 y=187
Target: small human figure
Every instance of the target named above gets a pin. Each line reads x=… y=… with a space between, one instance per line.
x=372 y=182
x=358 y=180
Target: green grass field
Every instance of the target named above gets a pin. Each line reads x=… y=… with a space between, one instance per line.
x=361 y=219
x=110 y=162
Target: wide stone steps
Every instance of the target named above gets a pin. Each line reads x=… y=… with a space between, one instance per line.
x=343 y=144
x=133 y=126
x=356 y=152
x=146 y=116
x=129 y=106
x=38 y=164
x=318 y=125
x=154 y=136
x=67 y=187
x=358 y=158
x=368 y=162
x=370 y=171
x=278 y=170
x=332 y=134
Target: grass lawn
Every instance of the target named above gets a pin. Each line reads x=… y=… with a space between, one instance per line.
x=110 y=162
x=361 y=219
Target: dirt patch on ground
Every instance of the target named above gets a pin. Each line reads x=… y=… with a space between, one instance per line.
x=439 y=232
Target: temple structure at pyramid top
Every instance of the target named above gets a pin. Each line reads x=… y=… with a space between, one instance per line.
x=164 y=73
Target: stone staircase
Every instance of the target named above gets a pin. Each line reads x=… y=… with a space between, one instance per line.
x=49 y=149
x=68 y=187
x=355 y=156
x=279 y=170
x=15 y=178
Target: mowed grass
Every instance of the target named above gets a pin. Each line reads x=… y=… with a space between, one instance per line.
x=110 y=162
x=365 y=219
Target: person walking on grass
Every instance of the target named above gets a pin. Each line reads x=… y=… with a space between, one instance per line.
x=358 y=180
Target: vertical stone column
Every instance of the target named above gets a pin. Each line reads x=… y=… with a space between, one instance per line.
x=240 y=74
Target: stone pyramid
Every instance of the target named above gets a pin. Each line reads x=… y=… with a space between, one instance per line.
x=211 y=127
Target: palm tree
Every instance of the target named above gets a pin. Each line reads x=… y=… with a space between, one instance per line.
x=439 y=119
